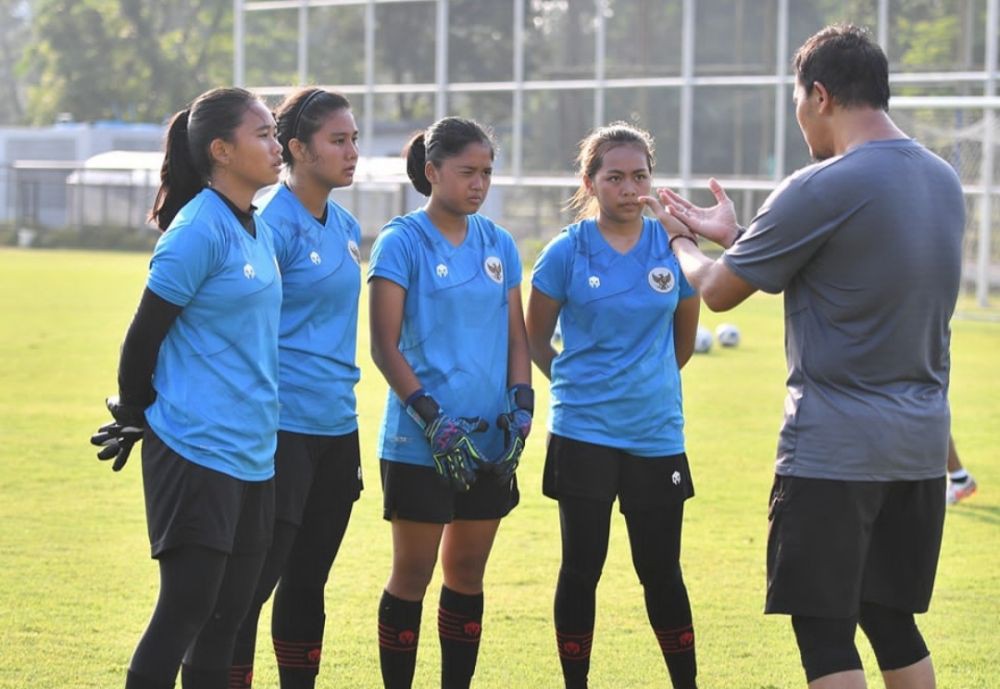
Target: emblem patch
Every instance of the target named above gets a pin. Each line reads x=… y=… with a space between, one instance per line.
x=442 y=270
x=248 y=272
x=594 y=281
x=314 y=257
x=494 y=268
x=661 y=279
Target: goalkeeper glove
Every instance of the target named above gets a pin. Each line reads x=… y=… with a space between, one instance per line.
x=516 y=426
x=455 y=454
x=117 y=438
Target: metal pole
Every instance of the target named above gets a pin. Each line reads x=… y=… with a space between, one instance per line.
x=687 y=93
x=368 y=124
x=441 y=61
x=517 y=136
x=780 y=105
x=883 y=25
x=989 y=122
x=303 y=42
x=600 y=46
x=239 y=28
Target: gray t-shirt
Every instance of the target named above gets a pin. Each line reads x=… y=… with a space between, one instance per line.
x=867 y=249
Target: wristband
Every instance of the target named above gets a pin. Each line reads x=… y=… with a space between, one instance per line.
x=422 y=408
x=522 y=397
x=670 y=244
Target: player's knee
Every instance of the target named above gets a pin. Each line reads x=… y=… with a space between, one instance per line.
x=826 y=645
x=893 y=635
x=658 y=572
x=578 y=577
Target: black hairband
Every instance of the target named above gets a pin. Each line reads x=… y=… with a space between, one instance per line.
x=302 y=109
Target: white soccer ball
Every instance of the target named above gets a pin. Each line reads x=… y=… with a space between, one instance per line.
x=728 y=335
x=703 y=340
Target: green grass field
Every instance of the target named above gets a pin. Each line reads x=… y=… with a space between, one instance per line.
x=77 y=585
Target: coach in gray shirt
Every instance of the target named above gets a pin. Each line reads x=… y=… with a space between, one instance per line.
x=866 y=246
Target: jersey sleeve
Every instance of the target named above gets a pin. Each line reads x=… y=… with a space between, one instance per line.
x=512 y=259
x=552 y=267
x=789 y=228
x=392 y=256
x=182 y=259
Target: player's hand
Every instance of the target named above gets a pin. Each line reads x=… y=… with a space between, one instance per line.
x=454 y=453
x=516 y=426
x=117 y=438
x=717 y=222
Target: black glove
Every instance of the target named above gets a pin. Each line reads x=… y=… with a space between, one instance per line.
x=117 y=438
x=452 y=448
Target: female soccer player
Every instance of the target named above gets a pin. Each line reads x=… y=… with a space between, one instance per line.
x=628 y=321
x=448 y=334
x=198 y=380
x=318 y=461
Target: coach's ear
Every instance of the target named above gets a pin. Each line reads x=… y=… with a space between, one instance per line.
x=823 y=99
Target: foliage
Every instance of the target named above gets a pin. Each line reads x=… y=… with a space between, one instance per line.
x=79 y=585
x=134 y=60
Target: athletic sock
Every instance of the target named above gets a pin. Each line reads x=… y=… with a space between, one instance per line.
x=574 y=656
x=958 y=476
x=460 y=620
x=241 y=676
x=298 y=648
x=398 y=636
x=134 y=681
x=204 y=678
x=677 y=646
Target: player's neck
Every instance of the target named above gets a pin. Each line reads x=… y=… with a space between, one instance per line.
x=450 y=224
x=620 y=234
x=312 y=195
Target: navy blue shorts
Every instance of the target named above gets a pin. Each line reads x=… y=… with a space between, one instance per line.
x=578 y=469
x=315 y=474
x=188 y=504
x=417 y=493
x=833 y=544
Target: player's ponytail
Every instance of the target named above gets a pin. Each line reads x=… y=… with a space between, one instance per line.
x=444 y=139
x=187 y=160
x=591 y=157
x=415 y=153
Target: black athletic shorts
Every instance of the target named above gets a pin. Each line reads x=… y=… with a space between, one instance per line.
x=833 y=544
x=417 y=493
x=315 y=474
x=578 y=469
x=188 y=504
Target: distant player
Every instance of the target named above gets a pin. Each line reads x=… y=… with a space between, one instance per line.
x=447 y=332
x=318 y=460
x=866 y=246
x=198 y=380
x=961 y=484
x=628 y=318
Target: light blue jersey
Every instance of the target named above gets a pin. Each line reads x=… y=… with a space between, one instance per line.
x=317 y=345
x=455 y=323
x=616 y=382
x=216 y=375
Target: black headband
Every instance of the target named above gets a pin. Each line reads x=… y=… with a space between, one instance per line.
x=302 y=109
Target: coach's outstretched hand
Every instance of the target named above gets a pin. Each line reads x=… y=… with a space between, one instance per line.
x=117 y=438
x=717 y=222
x=453 y=450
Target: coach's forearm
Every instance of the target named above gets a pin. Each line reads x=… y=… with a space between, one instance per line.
x=711 y=277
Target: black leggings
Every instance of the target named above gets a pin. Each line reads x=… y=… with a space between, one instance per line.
x=655 y=537
x=299 y=563
x=204 y=595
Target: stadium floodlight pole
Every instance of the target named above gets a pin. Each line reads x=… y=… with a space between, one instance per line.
x=238 y=30
x=687 y=94
x=989 y=121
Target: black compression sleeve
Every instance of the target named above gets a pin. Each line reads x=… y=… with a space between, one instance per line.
x=142 y=343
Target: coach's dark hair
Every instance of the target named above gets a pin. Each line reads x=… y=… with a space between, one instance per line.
x=591 y=157
x=302 y=114
x=851 y=66
x=187 y=161
x=444 y=139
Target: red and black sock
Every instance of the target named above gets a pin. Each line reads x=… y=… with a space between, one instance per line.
x=677 y=645
x=398 y=635
x=240 y=676
x=460 y=622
